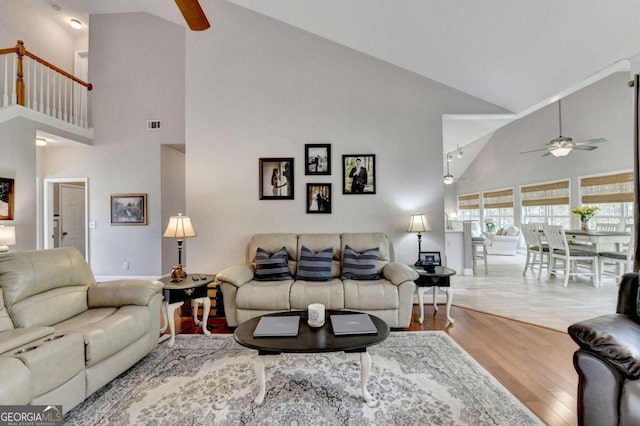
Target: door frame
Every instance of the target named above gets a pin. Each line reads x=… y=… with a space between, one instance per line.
x=47 y=211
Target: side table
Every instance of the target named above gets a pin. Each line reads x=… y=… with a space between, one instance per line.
x=435 y=281
x=175 y=293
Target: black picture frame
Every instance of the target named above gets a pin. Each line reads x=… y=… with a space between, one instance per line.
x=318 y=198
x=367 y=166
x=276 y=178
x=128 y=209
x=317 y=159
x=7 y=202
x=429 y=260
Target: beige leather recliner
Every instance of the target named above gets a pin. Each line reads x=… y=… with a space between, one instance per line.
x=62 y=335
x=389 y=298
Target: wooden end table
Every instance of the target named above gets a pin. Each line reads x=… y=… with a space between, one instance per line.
x=435 y=281
x=311 y=340
x=175 y=293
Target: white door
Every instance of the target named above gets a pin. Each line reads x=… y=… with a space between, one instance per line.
x=71 y=211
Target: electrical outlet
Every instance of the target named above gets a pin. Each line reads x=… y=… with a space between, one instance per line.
x=125 y=265
x=92 y=225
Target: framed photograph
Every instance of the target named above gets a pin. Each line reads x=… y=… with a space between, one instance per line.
x=7 y=189
x=276 y=178
x=317 y=159
x=318 y=198
x=359 y=174
x=128 y=209
x=429 y=260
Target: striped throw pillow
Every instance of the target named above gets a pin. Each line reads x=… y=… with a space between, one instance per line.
x=272 y=267
x=314 y=266
x=359 y=266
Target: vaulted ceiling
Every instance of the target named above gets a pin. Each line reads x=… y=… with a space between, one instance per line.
x=518 y=54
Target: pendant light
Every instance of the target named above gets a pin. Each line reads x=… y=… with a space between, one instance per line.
x=448 y=178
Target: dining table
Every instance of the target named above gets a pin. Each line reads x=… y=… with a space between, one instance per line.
x=599 y=240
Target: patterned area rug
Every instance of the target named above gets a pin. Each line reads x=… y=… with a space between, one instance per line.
x=418 y=378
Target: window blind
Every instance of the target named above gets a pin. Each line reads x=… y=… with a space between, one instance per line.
x=546 y=194
x=469 y=201
x=498 y=199
x=615 y=188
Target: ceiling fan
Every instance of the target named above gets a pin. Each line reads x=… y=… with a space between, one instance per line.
x=563 y=145
x=193 y=14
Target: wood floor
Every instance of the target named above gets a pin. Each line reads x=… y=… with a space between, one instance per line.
x=534 y=363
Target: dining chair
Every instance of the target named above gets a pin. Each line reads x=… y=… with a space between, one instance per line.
x=559 y=249
x=623 y=260
x=607 y=227
x=537 y=252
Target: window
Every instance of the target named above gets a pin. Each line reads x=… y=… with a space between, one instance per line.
x=469 y=206
x=612 y=193
x=498 y=206
x=546 y=203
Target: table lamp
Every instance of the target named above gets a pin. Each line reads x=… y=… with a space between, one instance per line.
x=7 y=237
x=419 y=223
x=179 y=227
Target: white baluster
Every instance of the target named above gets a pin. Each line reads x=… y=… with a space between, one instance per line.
x=14 y=94
x=48 y=91
x=66 y=107
x=41 y=106
x=5 y=97
x=34 y=87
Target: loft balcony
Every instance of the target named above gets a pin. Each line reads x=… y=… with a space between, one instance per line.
x=34 y=88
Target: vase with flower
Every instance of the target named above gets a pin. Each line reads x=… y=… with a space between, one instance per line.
x=585 y=213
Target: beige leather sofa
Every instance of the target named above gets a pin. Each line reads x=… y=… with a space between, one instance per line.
x=390 y=297
x=62 y=335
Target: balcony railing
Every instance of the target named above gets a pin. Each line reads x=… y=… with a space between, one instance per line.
x=30 y=81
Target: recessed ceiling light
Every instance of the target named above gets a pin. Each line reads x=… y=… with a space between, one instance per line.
x=41 y=142
x=75 y=24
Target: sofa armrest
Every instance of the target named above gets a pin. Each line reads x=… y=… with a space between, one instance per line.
x=615 y=337
x=398 y=273
x=236 y=275
x=123 y=292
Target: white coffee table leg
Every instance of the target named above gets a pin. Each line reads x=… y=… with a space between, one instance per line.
x=365 y=368
x=420 y=291
x=449 y=293
x=258 y=367
x=171 y=309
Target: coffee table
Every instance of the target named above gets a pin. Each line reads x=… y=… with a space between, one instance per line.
x=311 y=340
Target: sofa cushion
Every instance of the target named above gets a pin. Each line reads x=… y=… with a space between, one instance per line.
x=512 y=231
x=107 y=331
x=360 y=266
x=11 y=339
x=50 y=307
x=5 y=321
x=370 y=295
x=329 y=293
x=314 y=266
x=16 y=382
x=264 y=295
x=271 y=267
x=318 y=242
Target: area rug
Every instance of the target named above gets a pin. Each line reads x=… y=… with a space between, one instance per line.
x=418 y=378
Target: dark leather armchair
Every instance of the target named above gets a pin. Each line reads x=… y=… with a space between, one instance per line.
x=608 y=362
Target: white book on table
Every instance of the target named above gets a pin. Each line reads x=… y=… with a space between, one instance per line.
x=277 y=326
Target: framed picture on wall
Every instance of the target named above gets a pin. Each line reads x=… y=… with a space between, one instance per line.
x=317 y=159
x=359 y=174
x=128 y=209
x=319 y=198
x=7 y=189
x=276 y=178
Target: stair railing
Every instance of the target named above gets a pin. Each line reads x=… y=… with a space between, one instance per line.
x=34 y=83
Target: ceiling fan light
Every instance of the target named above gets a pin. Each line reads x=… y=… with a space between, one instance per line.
x=561 y=151
x=460 y=153
x=75 y=24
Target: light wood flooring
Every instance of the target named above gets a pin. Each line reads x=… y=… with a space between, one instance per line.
x=532 y=362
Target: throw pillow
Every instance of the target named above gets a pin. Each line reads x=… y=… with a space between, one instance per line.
x=272 y=267
x=314 y=266
x=360 y=266
x=501 y=231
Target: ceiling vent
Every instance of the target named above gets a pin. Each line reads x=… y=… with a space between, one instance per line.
x=153 y=124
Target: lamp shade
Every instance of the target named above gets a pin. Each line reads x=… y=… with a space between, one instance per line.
x=7 y=237
x=419 y=223
x=179 y=227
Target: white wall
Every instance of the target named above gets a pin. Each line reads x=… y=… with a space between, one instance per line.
x=259 y=88
x=137 y=75
x=173 y=202
x=18 y=161
x=604 y=109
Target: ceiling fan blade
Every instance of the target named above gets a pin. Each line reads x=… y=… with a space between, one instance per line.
x=585 y=147
x=546 y=155
x=597 y=140
x=534 y=150
x=193 y=14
